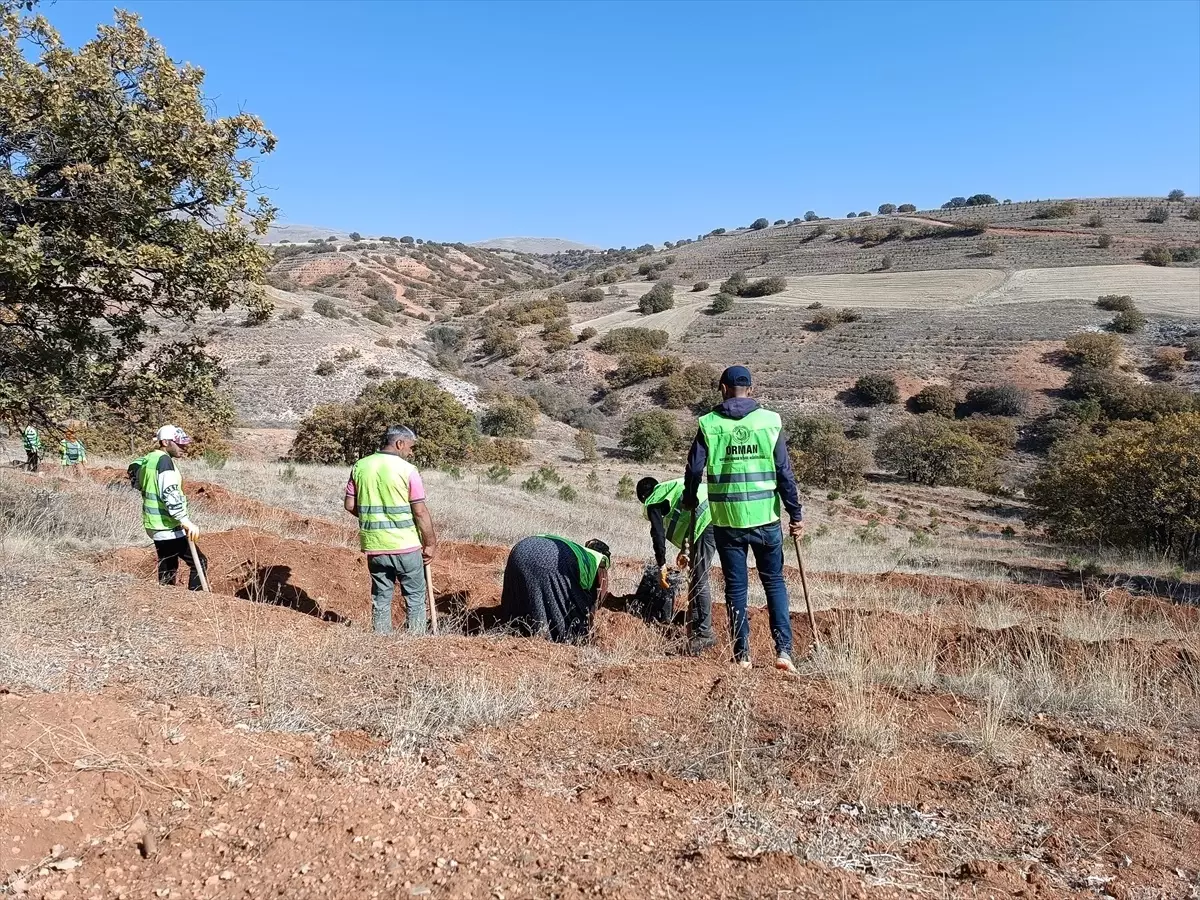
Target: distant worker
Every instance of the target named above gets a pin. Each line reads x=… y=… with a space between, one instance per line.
x=741 y=449
x=31 y=441
x=395 y=529
x=165 y=509
x=552 y=586
x=683 y=528
x=71 y=451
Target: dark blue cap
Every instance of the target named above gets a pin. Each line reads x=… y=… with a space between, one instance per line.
x=736 y=376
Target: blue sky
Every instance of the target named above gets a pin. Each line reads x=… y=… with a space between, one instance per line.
x=624 y=123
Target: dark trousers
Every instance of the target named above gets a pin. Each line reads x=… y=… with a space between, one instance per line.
x=31 y=460
x=767 y=543
x=170 y=553
x=700 y=593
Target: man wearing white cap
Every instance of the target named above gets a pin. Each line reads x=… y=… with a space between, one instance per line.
x=164 y=508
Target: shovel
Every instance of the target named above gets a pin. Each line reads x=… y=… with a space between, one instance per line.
x=198 y=568
x=812 y=621
x=432 y=603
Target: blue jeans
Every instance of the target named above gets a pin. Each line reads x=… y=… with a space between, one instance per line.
x=767 y=543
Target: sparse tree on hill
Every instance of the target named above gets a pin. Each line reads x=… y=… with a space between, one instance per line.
x=851 y=215
x=955 y=203
x=864 y=214
x=998 y=400
x=1128 y=321
x=650 y=434
x=759 y=224
x=938 y=399
x=906 y=208
x=874 y=390
x=116 y=188
x=1136 y=487
x=722 y=303
x=811 y=216
x=1176 y=195
x=886 y=209
x=981 y=200
x=1158 y=215
x=1104 y=241
x=355 y=236
x=929 y=450
x=659 y=298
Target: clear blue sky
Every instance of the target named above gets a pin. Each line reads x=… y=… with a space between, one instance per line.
x=624 y=123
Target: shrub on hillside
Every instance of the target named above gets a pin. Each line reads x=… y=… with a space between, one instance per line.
x=998 y=400
x=343 y=432
x=1158 y=215
x=759 y=224
x=1057 y=210
x=822 y=320
x=650 y=434
x=1121 y=398
x=827 y=458
x=700 y=286
x=637 y=367
x=1095 y=220
x=1193 y=213
x=558 y=335
x=1104 y=241
x=585 y=443
x=510 y=416
x=586 y=334
x=632 y=340
x=381 y=292
x=722 y=303
x=325 y=368
x=378 y=315
x=1115 y=302
x=501 y=452
x=886 y=209
x=931 y=451
x=659 y=298
x=992 y=431
x=906 y=208
x=764 y=287
x=695 y=386
x=1176 y=195
x=1128 y=321
x=875 y=389
x=734 y=283
x=537 y=310
x=1126 y=489
x=1158 y=256
x=1093 y=349
x=323 y=306
x=1191 y=349
x=499 y=339
x=938 y=399
x=589 y=295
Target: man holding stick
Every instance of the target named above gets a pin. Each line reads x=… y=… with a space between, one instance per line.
x=395 y=530
x=741 y=449
x=165 y=509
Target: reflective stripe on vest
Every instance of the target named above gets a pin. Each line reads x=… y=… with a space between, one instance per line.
x=741 y=468
x=72 y=451
x=676 y=521
x=385 y=519
x=154 y=512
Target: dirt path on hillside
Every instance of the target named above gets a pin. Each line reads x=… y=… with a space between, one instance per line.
x=1019 y=231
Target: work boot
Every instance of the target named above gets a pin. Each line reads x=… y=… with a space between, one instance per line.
x=698 y=644
x=783 y=663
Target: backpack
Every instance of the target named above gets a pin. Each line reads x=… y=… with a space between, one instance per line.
x=134 y=471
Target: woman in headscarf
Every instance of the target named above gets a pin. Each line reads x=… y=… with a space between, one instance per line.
x=552 y=586
x=72 y=453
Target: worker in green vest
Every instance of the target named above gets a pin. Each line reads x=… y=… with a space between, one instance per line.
x=686 y=530
x=31 y=441
x=164 y=507
x=741 y=450
x=552 y=586
x=395 y=528
x=72 y=453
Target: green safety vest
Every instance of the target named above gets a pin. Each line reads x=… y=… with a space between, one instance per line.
x=72 y=452
x=30 y=440
x=385 y=519
x=741 y=468
x=154 y=512
x=590 y=561
x=677 y=520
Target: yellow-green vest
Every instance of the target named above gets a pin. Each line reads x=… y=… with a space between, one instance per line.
x=154 y=512
x=385 y=519
x=677 y=520
x=742 y=489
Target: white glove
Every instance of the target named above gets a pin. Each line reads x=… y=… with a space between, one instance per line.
x=191 y=529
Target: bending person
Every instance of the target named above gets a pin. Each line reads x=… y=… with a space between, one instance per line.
x=552 y=586
x=671 y=523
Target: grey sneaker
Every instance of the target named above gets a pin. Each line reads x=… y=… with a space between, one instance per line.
x=784 y=663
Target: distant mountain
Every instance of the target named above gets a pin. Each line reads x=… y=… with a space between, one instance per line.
x=298 y=234
x=537 y=245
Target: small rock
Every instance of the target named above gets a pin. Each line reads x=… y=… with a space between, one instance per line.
x=227 y=875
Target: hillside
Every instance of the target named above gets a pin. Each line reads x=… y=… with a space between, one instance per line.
x=950 y=306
